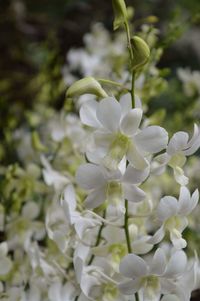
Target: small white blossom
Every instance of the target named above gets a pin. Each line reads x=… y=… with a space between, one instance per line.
x=112 y=186
x=172 y=214
x=151 y=279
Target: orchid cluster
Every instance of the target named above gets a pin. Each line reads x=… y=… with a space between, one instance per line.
x=100 y=208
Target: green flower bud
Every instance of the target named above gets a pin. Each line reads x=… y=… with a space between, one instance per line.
x=141 y=52
x=120 y=13
x=86 y=85
x=36 y=143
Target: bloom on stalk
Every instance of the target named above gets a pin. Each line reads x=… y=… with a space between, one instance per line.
x=151 y=279
x=178 y=149
x=117 y=133
x=112 y=186
x=172 y=214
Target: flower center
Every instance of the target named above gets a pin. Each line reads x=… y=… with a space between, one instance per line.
x=117 y=151
x=114 y=192
x=151 y=286
x=172 y=223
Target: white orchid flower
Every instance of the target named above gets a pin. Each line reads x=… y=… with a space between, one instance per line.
x=82 y=223
x=172 y=214
x=178 y=149
x=115 y=244
x=96 y=280
x=112 y=186
x=151 y=279
x=117 y=132
x=52 y=177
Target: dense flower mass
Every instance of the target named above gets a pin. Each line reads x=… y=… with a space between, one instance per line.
x=101 y=209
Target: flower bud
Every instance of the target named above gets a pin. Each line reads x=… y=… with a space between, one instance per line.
x=87 y=85
x=120 y=13
x=141 y=52
x=36 y=143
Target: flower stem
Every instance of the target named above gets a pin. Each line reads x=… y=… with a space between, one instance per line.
x=133 y=89
x=137 y=297
x=98 y=239
x=128 y=242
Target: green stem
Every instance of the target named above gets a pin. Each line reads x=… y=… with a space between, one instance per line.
x=129 y=40
x=137 y=297
x=131 y=58
x=98 y=239
x=133 y=89
x=128 y=242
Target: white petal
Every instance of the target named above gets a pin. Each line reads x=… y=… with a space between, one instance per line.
x=187 y=204
x=88 y=113
x=135 y=176
x=95 y=198
x=54 y=292
x=177 y=143
x=195 y=136
x=179 y=176
x=103 y=139
x=170 y=298
x=96 y=156
x=194 y=143
x=138 y=102
x=69 y=198
x=109 y=113
x=88 y=284
x=141 y=246
x=176 y=265
x=5 y=265
x=194 y=199
x=133 y=266
x=30 y=210
x=159 y=163
x=152 y=139
x=158 y=236
x=129 y=287
x=125 y=103
x=167 y=207
x=78 y=267
x=131 y=121
x=159 y=262
x=184 y=198
x=177 y=240
x=132 y=193
x=135 y=158
x=90 y=176
x=83 y=224
x=167 y=285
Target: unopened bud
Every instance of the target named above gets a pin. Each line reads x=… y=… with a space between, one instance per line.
x=36 y=143
x=120 y=13
x=87 y=85
x=141 y=52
